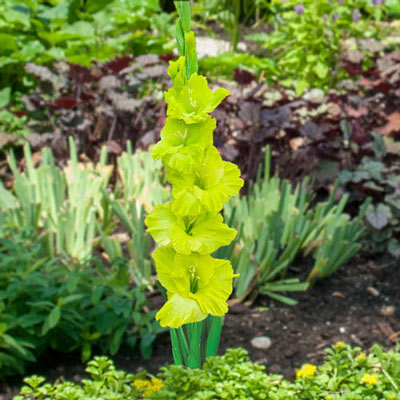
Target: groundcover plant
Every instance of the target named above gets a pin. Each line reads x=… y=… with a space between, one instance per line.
x=189 y=228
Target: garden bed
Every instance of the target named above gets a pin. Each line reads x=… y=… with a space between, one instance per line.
x=359 y=305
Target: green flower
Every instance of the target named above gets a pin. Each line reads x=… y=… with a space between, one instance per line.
x=197 y=285
x=204 y=233
x=192 y=102
x=211 y=184
x=182 y=146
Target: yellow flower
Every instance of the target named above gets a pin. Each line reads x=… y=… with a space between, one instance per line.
x=148 y=387
x=371 y=379
x=340 y=345
x=154 y=386
x=140 y=384
x=157 y=384
x=361 y=357
x=306 y=371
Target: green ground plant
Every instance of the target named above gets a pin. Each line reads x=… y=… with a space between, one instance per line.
x=47 y=304
x=383 y=214
x=79 y=31
x=309 y=37
x=73 y=212
x=278 y=222
x=346 y=374
x=55 y=289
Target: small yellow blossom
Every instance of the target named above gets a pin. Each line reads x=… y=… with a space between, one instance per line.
x=361 y=357
x=140 y=384
x=372 y=379
x=157 y=384
x=340 y=345
x=148 y=387
x=306 y=371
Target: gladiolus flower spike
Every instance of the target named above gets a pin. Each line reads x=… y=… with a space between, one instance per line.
x=190 y=227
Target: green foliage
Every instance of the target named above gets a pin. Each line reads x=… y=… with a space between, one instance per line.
x=39 y=202
x=231 y=14
x=141 y=186
x=277 y=223
x=393 y=7
x=73 y=213
x=54 y=291
x=382 y=180
x=76 y=30
x=46 y=304
x=346 y=374
x=224 y=64
x=306 y=45
x=106 y=383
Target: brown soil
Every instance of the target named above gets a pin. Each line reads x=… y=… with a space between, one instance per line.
x=359 y=305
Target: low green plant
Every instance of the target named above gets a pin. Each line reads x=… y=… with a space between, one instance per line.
x=74 y=213
x=381 y=181
x=106 y=383
x=140 y=187
x=277 y=223
x=10 y=124
x=38 y=201
x=80 y=31
x=346 y=374
x=225 y=63
x=309 y=38
x=393 y=7
x=47 y=304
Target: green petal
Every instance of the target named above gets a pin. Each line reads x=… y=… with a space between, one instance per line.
x=181 y=145
x=176 y=132
x=176 y=72
x=207 y=234
x=203 y=234
x=212 y=297
x=194 y=101
x=164 y=259
x=211 y=234
x=159 y=221
x=215 y=182
x=214 y=278
x=178 y=311
x=185 y=202
x=230 y=184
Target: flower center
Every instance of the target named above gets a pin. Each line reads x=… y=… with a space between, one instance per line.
x=194 y=279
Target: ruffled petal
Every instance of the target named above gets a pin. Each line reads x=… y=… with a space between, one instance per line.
x=212 y=297
x=178 y=311
x=213 y=198
x=209 y=233
x=193 y=102
x=164 y=259
x=182 y=146
x=215 y=182
x=159 y=222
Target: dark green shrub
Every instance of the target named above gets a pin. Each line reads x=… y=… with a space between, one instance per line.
x=46 y=304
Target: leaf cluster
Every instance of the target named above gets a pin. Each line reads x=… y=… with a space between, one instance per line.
x=70 y=297
x=46 y=304
x=79 y=31
x=342 y=376
x=381 y=181
x=277 y=223
x=306 y=45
